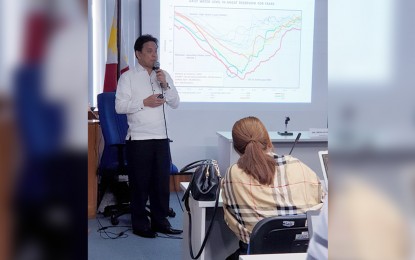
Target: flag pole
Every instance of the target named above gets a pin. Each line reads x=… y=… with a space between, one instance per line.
x=118 y=38
x=140 y=18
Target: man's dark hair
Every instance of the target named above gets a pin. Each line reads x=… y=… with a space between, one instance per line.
x=138 y=46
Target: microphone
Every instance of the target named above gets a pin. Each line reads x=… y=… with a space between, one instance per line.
x=295 y=142
x=156 y=65
x=286 y=133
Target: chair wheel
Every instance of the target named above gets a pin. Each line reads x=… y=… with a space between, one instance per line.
x=172 y=214
x=114 y=220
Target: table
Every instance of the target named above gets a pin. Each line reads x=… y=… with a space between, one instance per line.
x=222 y=241
x=306 y=149
x=95 y=147
x=293 y=256
x=9 y=164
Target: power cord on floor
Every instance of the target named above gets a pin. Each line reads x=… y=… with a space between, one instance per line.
x=112 y=235
x=103 y=233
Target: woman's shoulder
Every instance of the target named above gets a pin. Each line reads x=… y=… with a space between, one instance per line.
x=235 y=173
x=293 y=164
x=234 y=168
x=286 y=159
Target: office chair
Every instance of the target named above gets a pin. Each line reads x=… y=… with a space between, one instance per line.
x=113 y=161
x=279 y=234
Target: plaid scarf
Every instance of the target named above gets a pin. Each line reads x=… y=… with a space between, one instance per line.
x=296 y=189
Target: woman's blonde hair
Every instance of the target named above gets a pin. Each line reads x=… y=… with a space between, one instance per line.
x=251 y=140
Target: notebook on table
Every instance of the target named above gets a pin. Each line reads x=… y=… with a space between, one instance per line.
x=324 y=161
x=311 y=219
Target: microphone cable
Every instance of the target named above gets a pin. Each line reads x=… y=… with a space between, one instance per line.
x=168 y=143
x=169 y=151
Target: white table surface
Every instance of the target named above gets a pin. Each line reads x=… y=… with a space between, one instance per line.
x=275 y=137
x=293 y=256
x=221 y=234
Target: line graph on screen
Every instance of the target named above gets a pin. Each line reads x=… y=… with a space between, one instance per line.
x=238 y=45
x=239 y=53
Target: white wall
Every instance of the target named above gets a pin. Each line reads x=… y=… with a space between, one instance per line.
x=130 y=23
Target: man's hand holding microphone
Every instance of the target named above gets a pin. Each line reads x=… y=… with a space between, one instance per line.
x=161 y=77
x=156 y=100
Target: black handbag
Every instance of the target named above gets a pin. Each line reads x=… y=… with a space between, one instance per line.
x=204 y=186
x=205 y=180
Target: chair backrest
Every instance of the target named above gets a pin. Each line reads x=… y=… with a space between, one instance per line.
x=279 y=234
x=114 y=126
x=114 y=130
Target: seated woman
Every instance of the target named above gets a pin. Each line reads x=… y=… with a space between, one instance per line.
x=262 y=184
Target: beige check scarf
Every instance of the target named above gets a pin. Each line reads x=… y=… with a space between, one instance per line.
x=296 y=189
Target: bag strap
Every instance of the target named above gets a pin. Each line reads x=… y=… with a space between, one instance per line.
x=190 y=221
x=190 y=166
x=186 y=194
x=193 y=165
